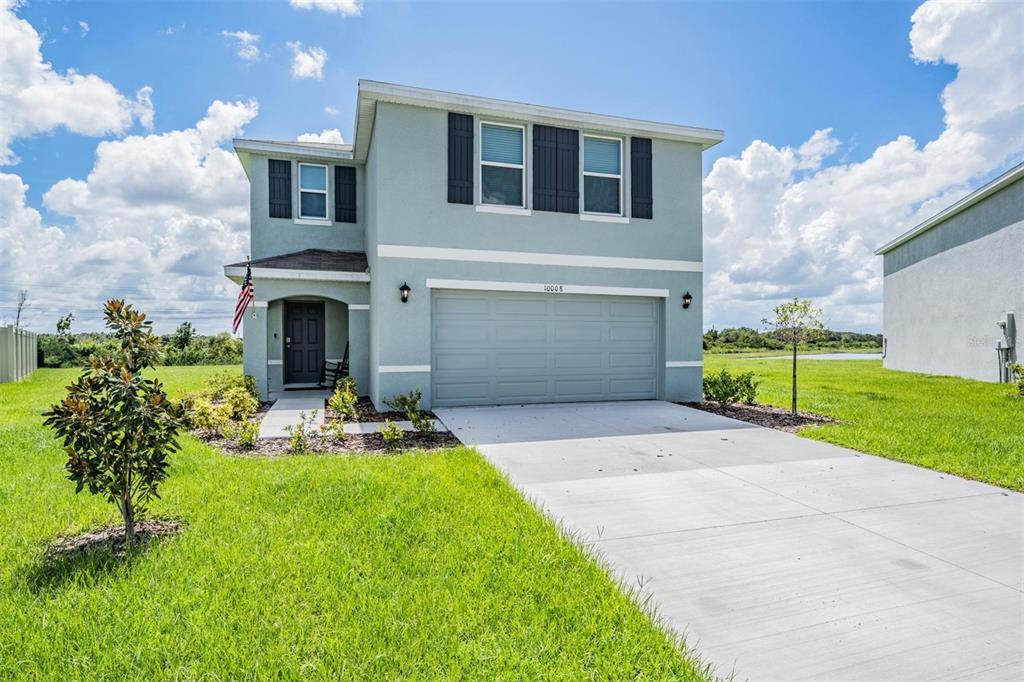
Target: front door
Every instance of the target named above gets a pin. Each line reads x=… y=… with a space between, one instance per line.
x=303 y=341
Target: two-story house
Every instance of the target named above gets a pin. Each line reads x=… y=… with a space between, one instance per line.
x=484 y=251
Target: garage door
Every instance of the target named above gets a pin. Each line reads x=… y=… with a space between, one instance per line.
x=491 y=348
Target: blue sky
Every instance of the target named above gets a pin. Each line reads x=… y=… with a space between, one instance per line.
x=769 y=72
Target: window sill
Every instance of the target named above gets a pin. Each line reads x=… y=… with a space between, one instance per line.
x=595 y=218
x=313 y=221
x=507 y=210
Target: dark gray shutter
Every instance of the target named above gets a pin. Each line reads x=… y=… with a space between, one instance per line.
x=556 y=169
x=568 y=171
x=460 y=158
x=545 y=168
x=279 y=185
x=641 y=178
x=344 y=194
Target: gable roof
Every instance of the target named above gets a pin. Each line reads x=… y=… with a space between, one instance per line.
x=1007 y=178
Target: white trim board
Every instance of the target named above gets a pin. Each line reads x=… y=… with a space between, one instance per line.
x=260 y=304
x=535 y=258
x=358 y=306
x=275 y=362
x=390 y=369
x=544 y=288
x=684 y=363
x=285 y=273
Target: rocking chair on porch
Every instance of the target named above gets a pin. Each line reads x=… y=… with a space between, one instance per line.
x=332 y=372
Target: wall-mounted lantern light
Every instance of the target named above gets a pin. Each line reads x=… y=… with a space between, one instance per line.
x=687 y=299
x=405 y=289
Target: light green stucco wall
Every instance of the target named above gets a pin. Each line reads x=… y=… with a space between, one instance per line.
x=276 y=236
x=402 y=195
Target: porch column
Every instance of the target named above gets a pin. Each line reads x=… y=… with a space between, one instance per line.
x=254 y=345
x=359 y=345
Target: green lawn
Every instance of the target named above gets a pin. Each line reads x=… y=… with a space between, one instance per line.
x=968 y=428
x=414 y=566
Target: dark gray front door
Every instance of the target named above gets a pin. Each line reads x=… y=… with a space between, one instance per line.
x=303 y=341
x=497 y=348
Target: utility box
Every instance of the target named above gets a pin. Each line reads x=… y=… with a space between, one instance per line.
x=1005 y=344
x=1007 y=326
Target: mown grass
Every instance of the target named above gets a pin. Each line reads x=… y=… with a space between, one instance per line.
x=968 y=428
x=414 y=566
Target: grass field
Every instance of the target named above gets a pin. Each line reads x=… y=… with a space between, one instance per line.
x=968 y=428
x=414 y=566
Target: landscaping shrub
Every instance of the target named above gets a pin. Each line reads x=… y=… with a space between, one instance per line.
x=343 y=400
x=422 y=422
x=409 y=403
x=335 y=428
x=220 y=383
x=301 y=435
x=246 y=434
x=1017 y=372
x=392 y=435
x=405 y=402
x=726 y=388
x=118 y=427
x=212 y=420
x=240 y=403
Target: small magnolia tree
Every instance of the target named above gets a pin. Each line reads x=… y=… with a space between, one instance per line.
x=797 y=321
x=118 y=427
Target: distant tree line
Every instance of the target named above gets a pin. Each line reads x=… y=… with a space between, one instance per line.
x=740 y=339
x=183 y=347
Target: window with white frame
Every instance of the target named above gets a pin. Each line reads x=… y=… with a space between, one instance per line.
x=602 y=175
x=502 y=165
x=312 y=191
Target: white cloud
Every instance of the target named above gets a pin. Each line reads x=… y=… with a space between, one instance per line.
x=83 y=27
x=779 y=224
x=331 y=111
x=34 y=98
x=350 y=8
x=245 y=43
x=329 y=135
x=154 y=220
x=307 y=64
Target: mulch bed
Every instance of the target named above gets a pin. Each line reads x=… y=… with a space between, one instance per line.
x=765 y=415
x=355 y=443
x=111 y=538
x=366 y=412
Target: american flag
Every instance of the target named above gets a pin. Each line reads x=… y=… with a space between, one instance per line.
x=245 y=295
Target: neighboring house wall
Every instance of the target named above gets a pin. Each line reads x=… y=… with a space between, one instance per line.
x=275 y=236
x=407 y=169
x=18 y=353
x=945 y=290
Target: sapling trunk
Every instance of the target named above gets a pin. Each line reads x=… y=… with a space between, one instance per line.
x=128 y=514
x=794 y=380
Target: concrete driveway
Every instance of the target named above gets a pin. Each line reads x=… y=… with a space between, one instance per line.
x=780 y=558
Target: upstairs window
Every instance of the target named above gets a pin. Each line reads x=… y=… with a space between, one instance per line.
x=312 y=191
x=502 y=175
x=602 y=175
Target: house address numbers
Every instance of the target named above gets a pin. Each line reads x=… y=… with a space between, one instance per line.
x=553 y=288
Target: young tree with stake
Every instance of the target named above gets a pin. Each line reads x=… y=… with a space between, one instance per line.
x=797 y=321
x=118 y=426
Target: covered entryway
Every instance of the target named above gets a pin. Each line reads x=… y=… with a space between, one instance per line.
x=303 y=341
x=495 y=348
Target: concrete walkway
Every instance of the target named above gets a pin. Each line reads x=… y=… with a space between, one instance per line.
x=780 y=558
x=287 y=408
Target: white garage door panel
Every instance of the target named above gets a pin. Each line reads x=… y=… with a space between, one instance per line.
x=507 y=347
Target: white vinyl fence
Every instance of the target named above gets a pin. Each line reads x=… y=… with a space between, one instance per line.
x=17 y=353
